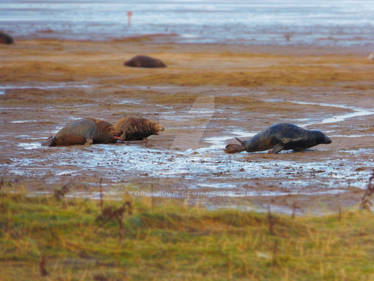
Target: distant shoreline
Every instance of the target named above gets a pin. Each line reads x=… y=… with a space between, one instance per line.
x=333 y=23
x=167 y=39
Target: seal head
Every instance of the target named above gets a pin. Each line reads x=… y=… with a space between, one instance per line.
x=234 y=147
x=320 y=138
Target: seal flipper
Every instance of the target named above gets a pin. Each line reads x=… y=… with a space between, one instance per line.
x=51 y=141
x=277 y=148
x=297 y=144
x=241 y=142
x=123 y=137
x=88 y=141
x=90 y=134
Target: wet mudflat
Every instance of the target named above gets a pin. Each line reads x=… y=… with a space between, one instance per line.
x=201 y=114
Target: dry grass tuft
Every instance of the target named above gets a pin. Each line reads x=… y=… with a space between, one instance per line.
x=174 y=241
x=366 y=203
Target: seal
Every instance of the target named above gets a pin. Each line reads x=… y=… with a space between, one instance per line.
x=279 y=137
x=5 y=38
x=132 y=128
x=84 y=131
x=144 y=61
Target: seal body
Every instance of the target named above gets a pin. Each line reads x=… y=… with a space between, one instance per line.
x=5 y=38
x=144 y=61
x=279 y=137
x=133 y=128
x=84 y=131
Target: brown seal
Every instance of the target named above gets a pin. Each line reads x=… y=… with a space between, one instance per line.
x=279 y=137
x=133 y=128
x=5 y=38
x=144 y=61
x=84 y=131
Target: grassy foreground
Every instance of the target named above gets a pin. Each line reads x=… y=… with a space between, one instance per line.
x=49 y=238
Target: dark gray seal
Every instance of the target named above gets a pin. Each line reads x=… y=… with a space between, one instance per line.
x=84 y=131
x=279 y=137
x=5 y=38
x=144 y=61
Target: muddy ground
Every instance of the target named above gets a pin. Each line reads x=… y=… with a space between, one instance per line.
x=207 y=95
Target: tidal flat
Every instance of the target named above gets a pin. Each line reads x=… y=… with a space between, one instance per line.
x=208 y=95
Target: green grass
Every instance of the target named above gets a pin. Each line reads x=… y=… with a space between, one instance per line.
x=169 y=240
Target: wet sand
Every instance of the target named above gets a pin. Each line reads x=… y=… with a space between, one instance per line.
x=207 y=95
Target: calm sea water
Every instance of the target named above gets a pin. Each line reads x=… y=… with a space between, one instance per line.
x=317 y=22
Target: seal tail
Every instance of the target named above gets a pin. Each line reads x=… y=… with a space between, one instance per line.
x=51 y=141
x=241 y=142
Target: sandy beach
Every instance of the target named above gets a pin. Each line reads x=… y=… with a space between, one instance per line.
x=208 y=94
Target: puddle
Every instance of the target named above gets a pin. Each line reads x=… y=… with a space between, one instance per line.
x=130 y=101
x=73 y=118
x=360 y=151
x=23 y=121
x=188 y=35
x=66 y=173
x=26 y=137
x=29 y=145
x=357 y=112
x=46 y=87
x=153 y=88
x=352 y=136
x=220 y=185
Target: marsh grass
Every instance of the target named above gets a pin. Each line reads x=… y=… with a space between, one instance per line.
x=163 y=239
x=366 y=203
